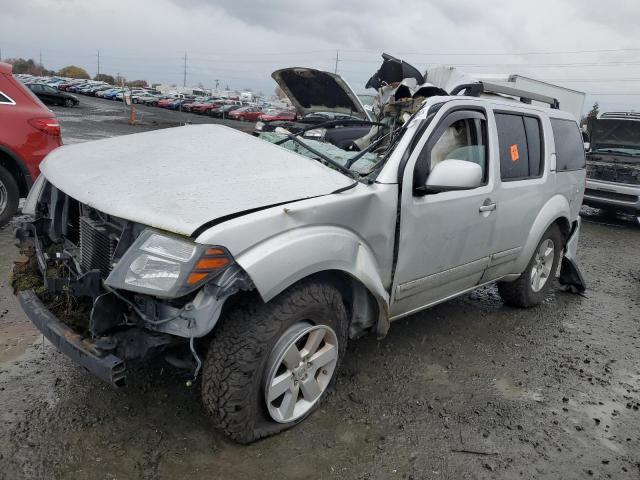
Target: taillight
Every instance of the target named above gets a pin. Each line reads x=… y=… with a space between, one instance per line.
x=50 y=126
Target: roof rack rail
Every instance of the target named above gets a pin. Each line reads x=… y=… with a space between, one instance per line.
x=478 y=88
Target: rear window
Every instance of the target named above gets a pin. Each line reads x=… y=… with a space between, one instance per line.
x=569 y=145
x=520 y=146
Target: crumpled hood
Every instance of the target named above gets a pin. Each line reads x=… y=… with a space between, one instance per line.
x=312 y=90
x=178 y=179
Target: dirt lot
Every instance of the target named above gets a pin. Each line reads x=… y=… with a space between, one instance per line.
x=469 y=389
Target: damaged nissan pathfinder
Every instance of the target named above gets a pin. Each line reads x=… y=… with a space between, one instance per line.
x=263 y=256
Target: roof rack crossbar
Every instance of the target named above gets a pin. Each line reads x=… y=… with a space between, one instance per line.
x=477 y=89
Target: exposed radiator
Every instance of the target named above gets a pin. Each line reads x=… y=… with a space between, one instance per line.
x=97 y=246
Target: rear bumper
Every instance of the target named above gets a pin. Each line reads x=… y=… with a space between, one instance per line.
x=82 y=351
x=615 y=195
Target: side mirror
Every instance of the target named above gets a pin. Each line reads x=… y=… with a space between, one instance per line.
x=454 y=175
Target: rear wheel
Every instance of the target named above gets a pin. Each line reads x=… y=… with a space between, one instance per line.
x=534 y=283
x=269 y=365
x=9 y=196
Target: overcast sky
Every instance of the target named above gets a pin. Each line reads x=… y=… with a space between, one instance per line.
x=588 y=45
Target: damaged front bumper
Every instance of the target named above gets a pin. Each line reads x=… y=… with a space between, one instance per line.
x=82 y=351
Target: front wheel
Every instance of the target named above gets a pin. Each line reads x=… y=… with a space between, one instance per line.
x=534 y=283
x=68 y=102
x=270 y=365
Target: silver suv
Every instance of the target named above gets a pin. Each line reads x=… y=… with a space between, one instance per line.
x=216 y=248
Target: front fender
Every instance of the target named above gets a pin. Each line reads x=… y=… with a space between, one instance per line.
x=557 y=207
x=280 y=261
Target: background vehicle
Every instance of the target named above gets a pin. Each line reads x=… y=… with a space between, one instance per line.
x=272 y=115
x=223 y=110
x=28 y=132
x=52 y=95
x=332 y=99
x=245 y=114
x=613 y=162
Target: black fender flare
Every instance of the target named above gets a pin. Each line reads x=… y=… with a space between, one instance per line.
x=18 y=168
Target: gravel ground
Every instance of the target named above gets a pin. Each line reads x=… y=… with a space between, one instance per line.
x=468 y=389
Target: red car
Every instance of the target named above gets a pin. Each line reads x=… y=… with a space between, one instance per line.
x=28 y=132
x=205 y=108
x=250 y=114
x=271 y=115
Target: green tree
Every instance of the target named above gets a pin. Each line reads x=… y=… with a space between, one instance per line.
x=103 y=77
x=595 y=110
x=137 y=83
x=72 y=71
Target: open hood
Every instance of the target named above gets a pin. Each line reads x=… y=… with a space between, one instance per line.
x=178 y=179
x=313 y=90
x=613 y=133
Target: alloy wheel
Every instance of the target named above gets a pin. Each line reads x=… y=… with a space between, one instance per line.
x=301 y=367
x=4 y=197
x=543 y=262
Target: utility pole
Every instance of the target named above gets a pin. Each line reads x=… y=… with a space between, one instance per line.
x=184 y=74
x=337 y=59
x=217 y=83
x=41 y=58
x=98 y=63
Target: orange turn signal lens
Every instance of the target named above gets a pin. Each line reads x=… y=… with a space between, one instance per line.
x=215 y=251
x=212 y=263
x=196 y=277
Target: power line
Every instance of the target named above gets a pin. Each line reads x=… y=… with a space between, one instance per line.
x=464 y=54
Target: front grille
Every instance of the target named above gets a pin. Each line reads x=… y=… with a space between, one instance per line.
x=97 y=246
x=614 y=173
x=623 y=197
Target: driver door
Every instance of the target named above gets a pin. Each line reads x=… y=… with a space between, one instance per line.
x=446 y=238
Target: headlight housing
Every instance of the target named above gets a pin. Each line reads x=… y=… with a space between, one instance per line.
x=167 y=266
x=259 y=125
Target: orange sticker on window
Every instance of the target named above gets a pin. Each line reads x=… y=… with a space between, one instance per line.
x=515 y=154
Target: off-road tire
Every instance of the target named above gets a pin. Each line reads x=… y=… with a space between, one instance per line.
x=520 y=293
x=237 y=359
x=13 y=196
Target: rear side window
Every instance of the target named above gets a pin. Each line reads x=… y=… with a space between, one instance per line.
x=569 y=145
x=4 y=99
x=520 y=146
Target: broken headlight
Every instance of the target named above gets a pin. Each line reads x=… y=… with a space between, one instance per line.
x=167 y=266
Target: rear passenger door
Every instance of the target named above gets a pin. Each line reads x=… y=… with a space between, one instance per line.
x=522 y=189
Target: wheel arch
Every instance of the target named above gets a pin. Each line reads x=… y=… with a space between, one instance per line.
x=555 y=212
x=12 y=162
x=329 y=253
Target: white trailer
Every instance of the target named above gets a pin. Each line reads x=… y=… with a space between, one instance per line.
x=449 y=78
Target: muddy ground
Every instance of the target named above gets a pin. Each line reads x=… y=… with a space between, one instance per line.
x=468 y=389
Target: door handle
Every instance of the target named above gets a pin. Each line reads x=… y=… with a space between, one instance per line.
x=487 y=207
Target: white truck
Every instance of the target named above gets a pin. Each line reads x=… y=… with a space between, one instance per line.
x=450 y=78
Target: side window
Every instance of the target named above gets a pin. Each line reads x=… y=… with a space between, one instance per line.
x=520 y=146
x=569 y=145
x=5 y=99
x=460 y=136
